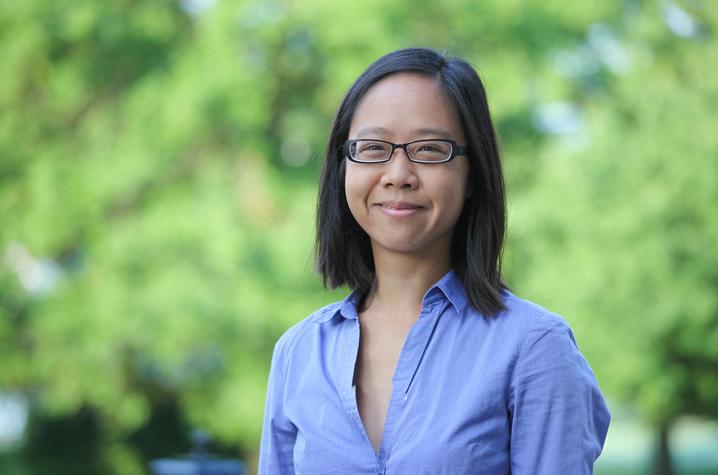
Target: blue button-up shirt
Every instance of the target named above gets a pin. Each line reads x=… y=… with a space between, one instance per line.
x=471 y=395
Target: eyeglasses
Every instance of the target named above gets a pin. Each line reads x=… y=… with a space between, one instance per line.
x=418 y=151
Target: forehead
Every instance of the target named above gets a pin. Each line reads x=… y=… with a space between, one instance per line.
x=406 y=102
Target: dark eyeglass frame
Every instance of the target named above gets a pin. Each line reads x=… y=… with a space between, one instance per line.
x=456 y=150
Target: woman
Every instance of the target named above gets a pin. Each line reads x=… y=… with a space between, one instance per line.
x=430 y=365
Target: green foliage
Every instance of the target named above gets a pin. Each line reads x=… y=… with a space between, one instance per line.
x=628 y=222
x=164 y=157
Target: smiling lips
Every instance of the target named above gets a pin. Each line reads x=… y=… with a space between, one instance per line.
x=398 y=209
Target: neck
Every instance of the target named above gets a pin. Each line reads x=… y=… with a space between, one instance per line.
x=401 y=281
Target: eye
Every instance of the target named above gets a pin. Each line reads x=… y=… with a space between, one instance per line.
x=372 y=146
x=368 y=146
x=370 y=151
x=430 y=151
x=428 y=148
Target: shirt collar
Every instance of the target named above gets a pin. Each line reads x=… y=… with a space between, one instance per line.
x=347 y=308
x=449 y=287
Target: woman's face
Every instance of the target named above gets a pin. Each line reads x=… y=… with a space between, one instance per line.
x=404 y=206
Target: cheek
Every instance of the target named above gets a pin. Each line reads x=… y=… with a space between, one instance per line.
x=356 y=189
x=454 y=194
x=452 y=204
x=353 y=201
x=454 y=201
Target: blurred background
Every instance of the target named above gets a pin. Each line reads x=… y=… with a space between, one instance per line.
x=158 y=171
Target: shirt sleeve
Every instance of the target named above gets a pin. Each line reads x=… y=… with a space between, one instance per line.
x=559 y=418
x=278 y=432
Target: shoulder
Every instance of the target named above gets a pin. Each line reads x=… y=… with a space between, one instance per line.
x=544 y=341
x=530 y=320
x=518 y=307
x=302 y=333
x=520 y=320
x=559 y=417
x=527 y=334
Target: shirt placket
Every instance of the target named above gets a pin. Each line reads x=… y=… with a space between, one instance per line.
x=407 y=366
x=348 y=390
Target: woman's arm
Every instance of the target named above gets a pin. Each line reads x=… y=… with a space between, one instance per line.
x=278 y=433
x=559 y=417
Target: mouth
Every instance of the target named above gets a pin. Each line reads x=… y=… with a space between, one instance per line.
x=399 y=208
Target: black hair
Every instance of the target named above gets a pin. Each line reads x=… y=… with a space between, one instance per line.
x=343 y=249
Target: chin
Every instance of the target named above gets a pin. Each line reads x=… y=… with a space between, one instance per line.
x=412 y=242
x=398 y=245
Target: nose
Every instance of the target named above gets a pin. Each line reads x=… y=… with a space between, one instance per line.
x=399 y=171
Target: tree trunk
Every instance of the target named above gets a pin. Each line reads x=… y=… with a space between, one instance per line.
x=662 y=463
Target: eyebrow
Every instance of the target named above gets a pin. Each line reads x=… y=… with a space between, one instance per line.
x=416 y=132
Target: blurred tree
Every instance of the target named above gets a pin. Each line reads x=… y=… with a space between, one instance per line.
x=158 y=162
x=625 y=216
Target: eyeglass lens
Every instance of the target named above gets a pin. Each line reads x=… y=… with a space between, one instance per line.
x=424 y=151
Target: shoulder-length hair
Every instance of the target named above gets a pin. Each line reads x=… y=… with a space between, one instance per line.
x=343 y=249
